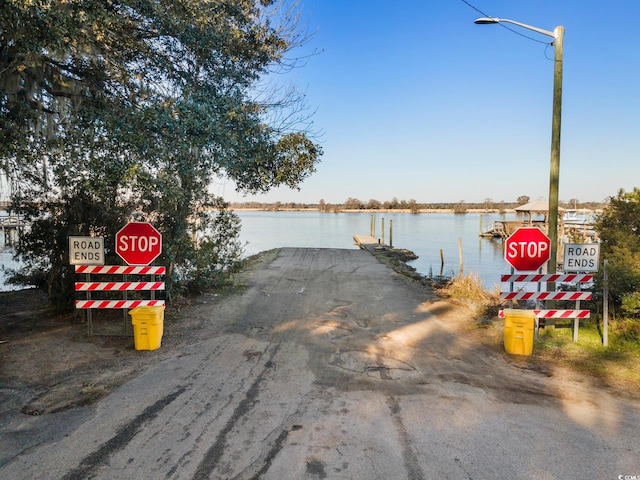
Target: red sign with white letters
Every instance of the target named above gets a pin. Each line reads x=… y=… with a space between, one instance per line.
x=527 y=249
x=138 y=243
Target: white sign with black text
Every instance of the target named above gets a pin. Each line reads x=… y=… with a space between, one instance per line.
x=581 y=257
x=86 y=250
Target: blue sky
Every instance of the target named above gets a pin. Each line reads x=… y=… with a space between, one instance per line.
x=415 y=101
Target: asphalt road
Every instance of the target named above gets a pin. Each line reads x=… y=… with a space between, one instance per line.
x=331 y=366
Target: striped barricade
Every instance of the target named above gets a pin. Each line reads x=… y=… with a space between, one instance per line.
x=547 y=277
x=118 y=303
x=557 y=313
x=521 y=295
x=117 y=286
x=93 y=286
x=121 y=269
x=577 y=296
x=119 y=289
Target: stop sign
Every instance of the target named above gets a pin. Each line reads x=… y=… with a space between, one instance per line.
x=138 y=243
x=527 y=249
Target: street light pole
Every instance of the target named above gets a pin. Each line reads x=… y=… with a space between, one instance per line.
x=554 y=171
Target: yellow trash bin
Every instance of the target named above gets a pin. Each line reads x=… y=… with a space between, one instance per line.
x=147 y=327
x=518 y=331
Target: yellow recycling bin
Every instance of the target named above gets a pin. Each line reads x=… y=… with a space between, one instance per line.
x=147 y=327
x=518 y=331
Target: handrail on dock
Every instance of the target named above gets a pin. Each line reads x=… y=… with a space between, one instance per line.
x=11 y=227
x=495 y=229
x=12 y=222
x=504 y=228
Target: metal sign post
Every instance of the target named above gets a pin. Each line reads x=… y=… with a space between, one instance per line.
x=86 y=251
x=605 y=307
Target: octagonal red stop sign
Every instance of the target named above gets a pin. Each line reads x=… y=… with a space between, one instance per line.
x=138 y=243
x=527 y=249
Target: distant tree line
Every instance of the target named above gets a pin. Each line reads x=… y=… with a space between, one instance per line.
x=410 y=205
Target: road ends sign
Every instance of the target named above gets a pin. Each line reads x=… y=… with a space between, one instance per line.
x=581 y=257
x=86 y=250
x=527 y=249
x=138 y=243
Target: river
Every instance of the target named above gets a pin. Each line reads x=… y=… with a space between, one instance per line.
x=425 y=234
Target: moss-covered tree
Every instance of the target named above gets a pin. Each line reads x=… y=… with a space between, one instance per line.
x=126 y=109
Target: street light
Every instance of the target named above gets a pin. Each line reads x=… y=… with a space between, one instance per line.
x=554 y=177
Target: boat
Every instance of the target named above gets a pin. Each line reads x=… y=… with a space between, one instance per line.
x=578 y=217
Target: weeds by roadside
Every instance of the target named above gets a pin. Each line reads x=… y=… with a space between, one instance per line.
x=617 y=365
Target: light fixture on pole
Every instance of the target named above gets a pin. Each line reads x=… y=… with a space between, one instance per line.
x=554 y=176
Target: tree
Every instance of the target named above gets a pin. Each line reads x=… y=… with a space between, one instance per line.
x=619 y=230
x=460 y=207
x=522 y=200
x=121 y=109
x=373 y=204
x=353 y=204
x=573 y=203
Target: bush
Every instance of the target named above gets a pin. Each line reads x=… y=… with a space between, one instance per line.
x=470 y=288
x=618 y=228
x=627 y=330
x=631 y=305
x=214 y=256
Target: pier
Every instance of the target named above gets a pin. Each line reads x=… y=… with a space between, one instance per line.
x=368 y=242
x=11 y=227
x=503 y=229
x=571 y=223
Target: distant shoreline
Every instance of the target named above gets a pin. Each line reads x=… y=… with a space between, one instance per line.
x=372 y=210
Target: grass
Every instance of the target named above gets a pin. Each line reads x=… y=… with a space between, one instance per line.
x=470 y=288
x=617 y=365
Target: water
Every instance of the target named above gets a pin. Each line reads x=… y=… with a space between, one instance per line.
x=424 y=234
x=6 y=261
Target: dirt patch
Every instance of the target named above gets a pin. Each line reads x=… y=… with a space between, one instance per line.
x=49 y=363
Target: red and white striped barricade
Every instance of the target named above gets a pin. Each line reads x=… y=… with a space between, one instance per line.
x=121 y=269
x=89 y=286
x=118 y=303
x=539 y=278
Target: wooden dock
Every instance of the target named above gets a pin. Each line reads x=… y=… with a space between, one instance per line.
x=372 y=242
x=368 y=242
x=573 y=223
x=503 y=229
x=10 y=228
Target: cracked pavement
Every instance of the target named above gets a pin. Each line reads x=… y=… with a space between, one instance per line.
x=330 y=365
